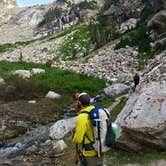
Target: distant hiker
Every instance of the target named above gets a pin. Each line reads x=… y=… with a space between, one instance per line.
x=136 y=80
x=84 y=136
x=61 y=22
x=20 y=57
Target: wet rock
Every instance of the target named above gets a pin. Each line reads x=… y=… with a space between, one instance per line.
x=20 y=144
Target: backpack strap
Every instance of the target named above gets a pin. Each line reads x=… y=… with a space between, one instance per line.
x=104 y=109
x=90 y=145
x=84 y=112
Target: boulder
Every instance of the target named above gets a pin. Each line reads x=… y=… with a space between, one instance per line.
x=161 y=42
x=59 y=145
x=124 y=9
x=22 y=73
x=37 y=71
x=62 y=127
x=158 y=22
x=116 y=89
x=2 y=81
x=143 y=118
x=128 y=25
x=53 y=95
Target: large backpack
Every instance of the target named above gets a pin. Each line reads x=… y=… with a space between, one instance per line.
x=102 y=127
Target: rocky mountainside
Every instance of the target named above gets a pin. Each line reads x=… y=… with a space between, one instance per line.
x=8 y=3
x=128 y=36
x=18 y=24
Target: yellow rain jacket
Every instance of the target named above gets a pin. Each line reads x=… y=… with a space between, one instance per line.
x=84 y=126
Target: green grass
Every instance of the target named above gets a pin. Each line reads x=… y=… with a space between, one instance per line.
x=121 y=158
x=107 y=102
x=118 y=108
x=11 y=47
x=61 y=81
x=6 y=66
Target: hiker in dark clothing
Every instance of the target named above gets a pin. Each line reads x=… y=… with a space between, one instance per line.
x=136 y=80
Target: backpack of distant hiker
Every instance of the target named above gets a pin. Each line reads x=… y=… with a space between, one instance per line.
x=104 y=134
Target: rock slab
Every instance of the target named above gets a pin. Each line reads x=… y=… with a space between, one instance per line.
x=143 y=119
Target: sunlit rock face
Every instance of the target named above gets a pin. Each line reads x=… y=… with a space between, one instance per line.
x=143 y=118
x=8 y=3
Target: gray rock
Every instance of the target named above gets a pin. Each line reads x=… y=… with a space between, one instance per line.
x=53 y=95
x=155 y=70
x=158 y=22
x=62 y=127
x=2 y=81
x=59 y=145
x=32 y=101
x=22 y=73
x=127 y=25
x=116 y=89
x=29 y=16
x=37 y=71
x=143 y=118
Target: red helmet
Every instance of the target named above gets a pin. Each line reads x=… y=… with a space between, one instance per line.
x=77 y=95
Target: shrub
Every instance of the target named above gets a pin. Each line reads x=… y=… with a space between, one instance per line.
x=76 y=43
x=50 y=16
x=136 y=38
x=146 y=13
x=84 y=5
x=102 y=31
x=108 y=3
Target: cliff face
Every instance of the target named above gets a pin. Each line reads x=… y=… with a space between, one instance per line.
x=8 y=3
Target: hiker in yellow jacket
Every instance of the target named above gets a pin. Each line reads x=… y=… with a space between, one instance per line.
x=83 y=137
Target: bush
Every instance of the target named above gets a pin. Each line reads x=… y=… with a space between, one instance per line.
x=50 y=16
x=102 y=31
x=108 y=3
x=137 y=38
x=146 y=13
x=84 y=5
